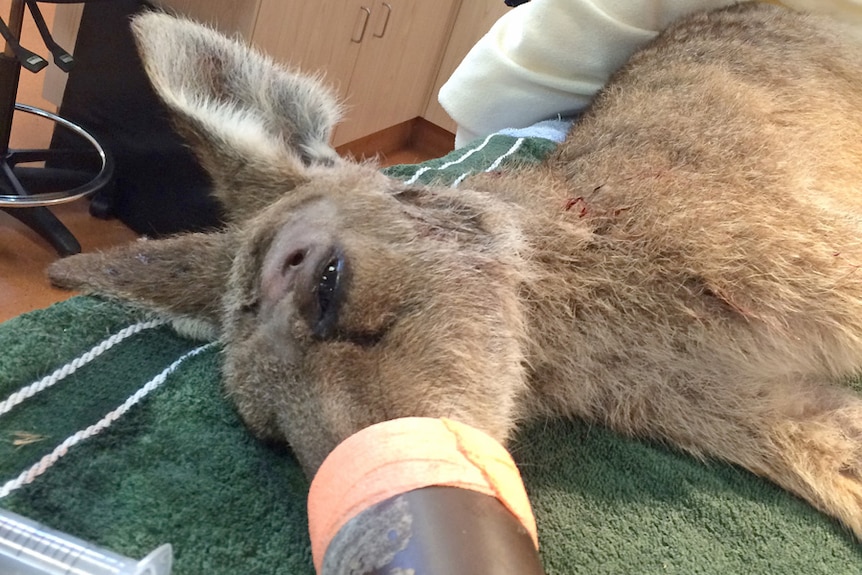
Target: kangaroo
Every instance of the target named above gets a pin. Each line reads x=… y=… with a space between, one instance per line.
x=685 y=267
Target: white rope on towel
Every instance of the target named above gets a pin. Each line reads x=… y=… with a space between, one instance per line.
x=49 y=460
x=71 y=367
x=469 y=153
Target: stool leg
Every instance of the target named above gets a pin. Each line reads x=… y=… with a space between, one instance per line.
x=46 y=224
x=62 y=58
x=30 y=60
x=40 y=219
x=9 y=73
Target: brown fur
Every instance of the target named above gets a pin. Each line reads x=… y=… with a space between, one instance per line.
x=685 y=267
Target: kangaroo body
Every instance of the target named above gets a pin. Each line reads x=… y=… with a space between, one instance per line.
x=685 y=267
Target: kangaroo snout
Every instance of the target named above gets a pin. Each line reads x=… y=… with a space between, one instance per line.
x=305 y=265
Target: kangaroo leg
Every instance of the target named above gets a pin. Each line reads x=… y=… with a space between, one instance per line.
x=805 y=437
x=818 y=452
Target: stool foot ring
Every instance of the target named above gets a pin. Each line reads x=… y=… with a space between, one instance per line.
x=22 y=199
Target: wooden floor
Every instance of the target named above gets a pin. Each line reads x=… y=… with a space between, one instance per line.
x=24 y=255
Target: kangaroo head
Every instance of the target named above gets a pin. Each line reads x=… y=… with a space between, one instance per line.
x=343 y=298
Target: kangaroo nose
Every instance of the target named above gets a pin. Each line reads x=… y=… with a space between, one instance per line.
x=294 y=256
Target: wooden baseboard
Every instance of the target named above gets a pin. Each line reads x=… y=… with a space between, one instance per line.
x=430 y=138
x=417 y=135
x=379 y=143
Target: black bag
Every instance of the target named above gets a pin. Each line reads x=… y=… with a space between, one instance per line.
x=159 y=188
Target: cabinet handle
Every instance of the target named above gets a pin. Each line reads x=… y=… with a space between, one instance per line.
x=360 y=25
x=382 y=29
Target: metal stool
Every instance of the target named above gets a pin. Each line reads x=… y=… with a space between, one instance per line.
x=26 y=192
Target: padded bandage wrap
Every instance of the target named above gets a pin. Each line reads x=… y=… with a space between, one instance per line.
x=401 y=455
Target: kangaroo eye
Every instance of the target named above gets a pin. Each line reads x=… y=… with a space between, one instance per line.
x=327 y=285
x=328 y=293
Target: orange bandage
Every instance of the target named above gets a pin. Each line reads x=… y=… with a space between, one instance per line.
x=401 y=455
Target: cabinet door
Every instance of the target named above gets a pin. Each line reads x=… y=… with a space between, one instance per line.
x=315 y=37
x=396 y=66
x=230 y=16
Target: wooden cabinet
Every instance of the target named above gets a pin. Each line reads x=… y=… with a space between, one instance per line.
x=381 y=55
x=314 y=37
x=386 y=58
x=230 y=16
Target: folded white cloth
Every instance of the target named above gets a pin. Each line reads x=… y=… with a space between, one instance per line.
x=549 y=57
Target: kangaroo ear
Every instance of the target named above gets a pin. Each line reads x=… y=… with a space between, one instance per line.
x=180 y=276
x=245 y=116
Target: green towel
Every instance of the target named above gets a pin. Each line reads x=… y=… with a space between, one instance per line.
x=176 y=464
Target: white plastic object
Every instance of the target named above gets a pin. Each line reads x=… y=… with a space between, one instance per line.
x=29 y=548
